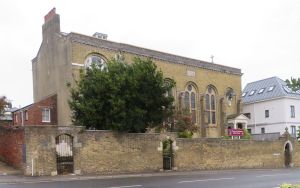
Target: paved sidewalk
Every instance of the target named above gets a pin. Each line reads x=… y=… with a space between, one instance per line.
x=16 y=179
x=8 y=170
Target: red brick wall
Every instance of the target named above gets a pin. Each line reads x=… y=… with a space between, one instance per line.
x=34 y=112
x=11 y=144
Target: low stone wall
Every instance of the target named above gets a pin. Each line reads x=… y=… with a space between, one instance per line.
x=12 y=146
x=196 y=154
x=105 y=152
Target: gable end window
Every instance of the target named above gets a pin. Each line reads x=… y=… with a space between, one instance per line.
x=46 y=115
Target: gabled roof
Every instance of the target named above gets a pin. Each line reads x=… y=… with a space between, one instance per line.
x=263 y=90
x=121 y=47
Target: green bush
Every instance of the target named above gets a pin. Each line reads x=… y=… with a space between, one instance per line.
x=247 y=135
x=185 y=134
x=226 y=137
x=286 y=185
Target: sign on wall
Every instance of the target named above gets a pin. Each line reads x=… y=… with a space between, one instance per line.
x=235 y=132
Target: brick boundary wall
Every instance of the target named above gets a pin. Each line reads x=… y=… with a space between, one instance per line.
x=106 y=152
x=12 y=145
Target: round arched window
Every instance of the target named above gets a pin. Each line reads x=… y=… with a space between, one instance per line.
x=98 y=61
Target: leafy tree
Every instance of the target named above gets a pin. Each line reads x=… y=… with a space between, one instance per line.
x=3 y=105
x=121 y=96
x=294 y=83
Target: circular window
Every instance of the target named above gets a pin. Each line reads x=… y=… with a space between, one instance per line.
x=95 y=60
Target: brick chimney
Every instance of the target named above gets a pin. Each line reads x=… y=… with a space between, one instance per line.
x=51 y=23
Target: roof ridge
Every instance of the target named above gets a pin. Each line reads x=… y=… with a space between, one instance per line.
x=264 y=79
x=205 y=63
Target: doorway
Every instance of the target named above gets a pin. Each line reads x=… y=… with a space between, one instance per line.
x=287 y=155
x=64 y=154
x=168 y=156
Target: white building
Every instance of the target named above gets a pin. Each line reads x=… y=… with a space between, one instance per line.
x=271 y=106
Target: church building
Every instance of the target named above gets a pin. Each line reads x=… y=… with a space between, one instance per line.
x=210 y=91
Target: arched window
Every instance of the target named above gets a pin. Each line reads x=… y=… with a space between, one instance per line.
x=98 y=61
x=210 y=105
x=190 y=101
x=229 y=95
x=167 y=83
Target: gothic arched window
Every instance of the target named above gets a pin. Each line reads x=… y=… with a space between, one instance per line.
x=190 y=101
x=210 y=105
x=96 y=60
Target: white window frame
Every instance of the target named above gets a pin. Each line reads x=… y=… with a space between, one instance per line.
x=267 y=113
x=293 y=114
x=44 y=110
x=26 y=115
x=293 y=131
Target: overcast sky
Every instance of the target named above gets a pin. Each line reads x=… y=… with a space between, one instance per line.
x=262 y=37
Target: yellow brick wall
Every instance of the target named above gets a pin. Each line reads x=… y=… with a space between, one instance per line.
x=202 y=79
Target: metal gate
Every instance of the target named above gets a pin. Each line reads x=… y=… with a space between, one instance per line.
x=168 y=159
x=64 y=154
x=287 y=155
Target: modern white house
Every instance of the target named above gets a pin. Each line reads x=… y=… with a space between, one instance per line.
x=271 y=106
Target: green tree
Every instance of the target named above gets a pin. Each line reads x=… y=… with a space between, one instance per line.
x=294 y=83
x=3 y=105
x=121 y=96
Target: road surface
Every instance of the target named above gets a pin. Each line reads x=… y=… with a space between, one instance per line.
x=258 y=178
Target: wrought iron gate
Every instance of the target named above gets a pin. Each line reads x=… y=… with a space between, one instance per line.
x=168 y=159
x=287 y=155
x=64 y=154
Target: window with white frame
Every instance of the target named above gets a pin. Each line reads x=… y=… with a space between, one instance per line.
x=46 y=115
x=26 y=115
x=293 y=131
x=16 y=118
x=267 y=114
x=292 y=111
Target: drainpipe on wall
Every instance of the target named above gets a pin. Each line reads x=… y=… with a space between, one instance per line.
x=254 y=113
x=22 y=118
x=32 y=166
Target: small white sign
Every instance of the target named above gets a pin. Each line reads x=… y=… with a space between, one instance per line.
x=191 y=73
x=276 y=154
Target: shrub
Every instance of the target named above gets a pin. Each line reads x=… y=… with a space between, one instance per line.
x=247 y=135
x=185 y=134
x=286 y=185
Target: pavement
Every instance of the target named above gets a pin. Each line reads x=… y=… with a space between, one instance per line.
x=10 y=175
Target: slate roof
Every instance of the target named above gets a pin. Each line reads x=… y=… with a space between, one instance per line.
x=120 y=47
x=280 y=90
